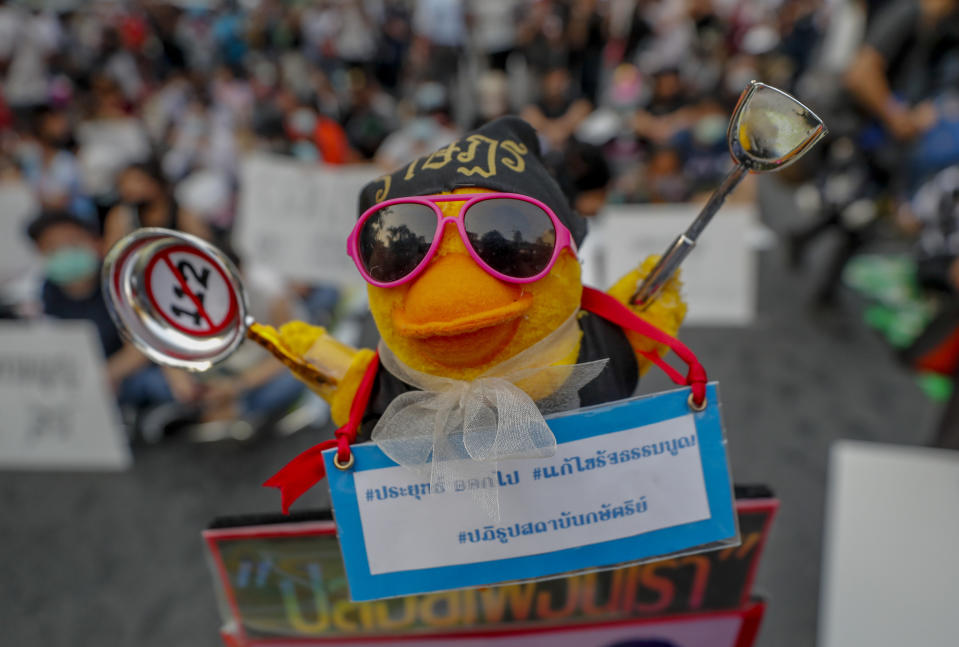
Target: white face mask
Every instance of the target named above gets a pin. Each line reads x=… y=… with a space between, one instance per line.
x=709 y=130
x=423 y=128
x=302 y=122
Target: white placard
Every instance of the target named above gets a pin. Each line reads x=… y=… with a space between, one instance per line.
x=295 y=217
x=675 y=476
x=630 y=481
x=57 y=410
x=891 y=566
x=17 y=206
x=719 y=275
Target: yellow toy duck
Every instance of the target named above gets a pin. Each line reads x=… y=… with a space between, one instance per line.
x=470 y=258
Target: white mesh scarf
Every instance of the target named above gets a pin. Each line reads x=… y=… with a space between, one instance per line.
x=456 y=431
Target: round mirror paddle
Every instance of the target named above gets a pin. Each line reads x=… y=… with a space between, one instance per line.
x=175 y=297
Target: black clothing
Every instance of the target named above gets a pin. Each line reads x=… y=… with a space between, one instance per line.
x=917 y=56
x=555 y=108
x=93 y=308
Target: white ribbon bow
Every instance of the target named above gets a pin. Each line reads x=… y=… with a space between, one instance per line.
x=455 y=432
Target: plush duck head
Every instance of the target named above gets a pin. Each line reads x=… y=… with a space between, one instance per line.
x=491 y=268
x=474 y=284
x=470 y=258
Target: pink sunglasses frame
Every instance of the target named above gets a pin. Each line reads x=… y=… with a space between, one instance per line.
x=563 y=238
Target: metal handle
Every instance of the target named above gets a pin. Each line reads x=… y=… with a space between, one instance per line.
x=665 y=268
x=680 y=248
x=269 y=339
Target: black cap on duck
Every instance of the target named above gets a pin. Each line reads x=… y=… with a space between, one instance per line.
x=502 y=155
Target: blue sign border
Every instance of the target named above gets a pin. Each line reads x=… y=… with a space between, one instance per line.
x=567 y=427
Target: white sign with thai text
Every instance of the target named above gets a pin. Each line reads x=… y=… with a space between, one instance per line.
x=56 y=407
x=629 y=481
x=578 y=496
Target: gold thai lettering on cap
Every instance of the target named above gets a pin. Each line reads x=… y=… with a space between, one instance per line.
x=478 y=149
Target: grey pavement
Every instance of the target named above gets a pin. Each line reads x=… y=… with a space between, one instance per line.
x=116 y=560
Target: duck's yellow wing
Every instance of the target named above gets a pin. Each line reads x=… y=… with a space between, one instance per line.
x=330 y=368
x=666 y=312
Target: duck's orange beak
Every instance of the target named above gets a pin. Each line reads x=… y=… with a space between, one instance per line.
x=455 y=296
x=456 y=313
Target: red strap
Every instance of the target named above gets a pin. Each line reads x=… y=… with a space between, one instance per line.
x=607 y=307
x=307 y=469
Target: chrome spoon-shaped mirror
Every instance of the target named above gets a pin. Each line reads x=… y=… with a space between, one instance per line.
x=769 y=130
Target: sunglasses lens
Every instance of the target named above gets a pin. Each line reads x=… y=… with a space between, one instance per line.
x=514 y=237
x=395 y=240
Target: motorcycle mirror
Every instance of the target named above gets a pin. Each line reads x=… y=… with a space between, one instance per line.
x=770 y=129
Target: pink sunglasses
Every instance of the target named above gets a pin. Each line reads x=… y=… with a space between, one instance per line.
x=513 y=237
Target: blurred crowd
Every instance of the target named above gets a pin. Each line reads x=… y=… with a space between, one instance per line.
x=185 y=88
x=118 y=115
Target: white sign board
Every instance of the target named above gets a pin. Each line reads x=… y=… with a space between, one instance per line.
x=17 y=206
x=719 y=275
x=429 y=543
x=890 y=568
x=57 y=410
x=295 y=217
x=629 y=481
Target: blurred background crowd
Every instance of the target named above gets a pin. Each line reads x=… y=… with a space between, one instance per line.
x=117 y=115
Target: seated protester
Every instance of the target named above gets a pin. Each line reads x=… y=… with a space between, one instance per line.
x=492 y=97
x=895 y=72
x=370 y=117
x=669 y=112
x=430 y=129
x=145 y=200
x=51 y=167
x=315 y=137
x=559 y=111
x=583 y=174
x=936 y=210
x=71 y=250
x=705 y=149
x=664 y=178
x=906 y=64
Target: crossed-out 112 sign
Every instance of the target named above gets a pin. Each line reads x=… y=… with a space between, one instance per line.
x=190 y=291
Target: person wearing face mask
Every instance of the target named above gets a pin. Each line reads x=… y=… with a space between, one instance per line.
x=71 y=251
x=705 y=149
x=146 y=201
x=430 y=129
x=583 y=174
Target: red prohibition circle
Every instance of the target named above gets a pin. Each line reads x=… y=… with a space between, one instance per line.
x=164 y=255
